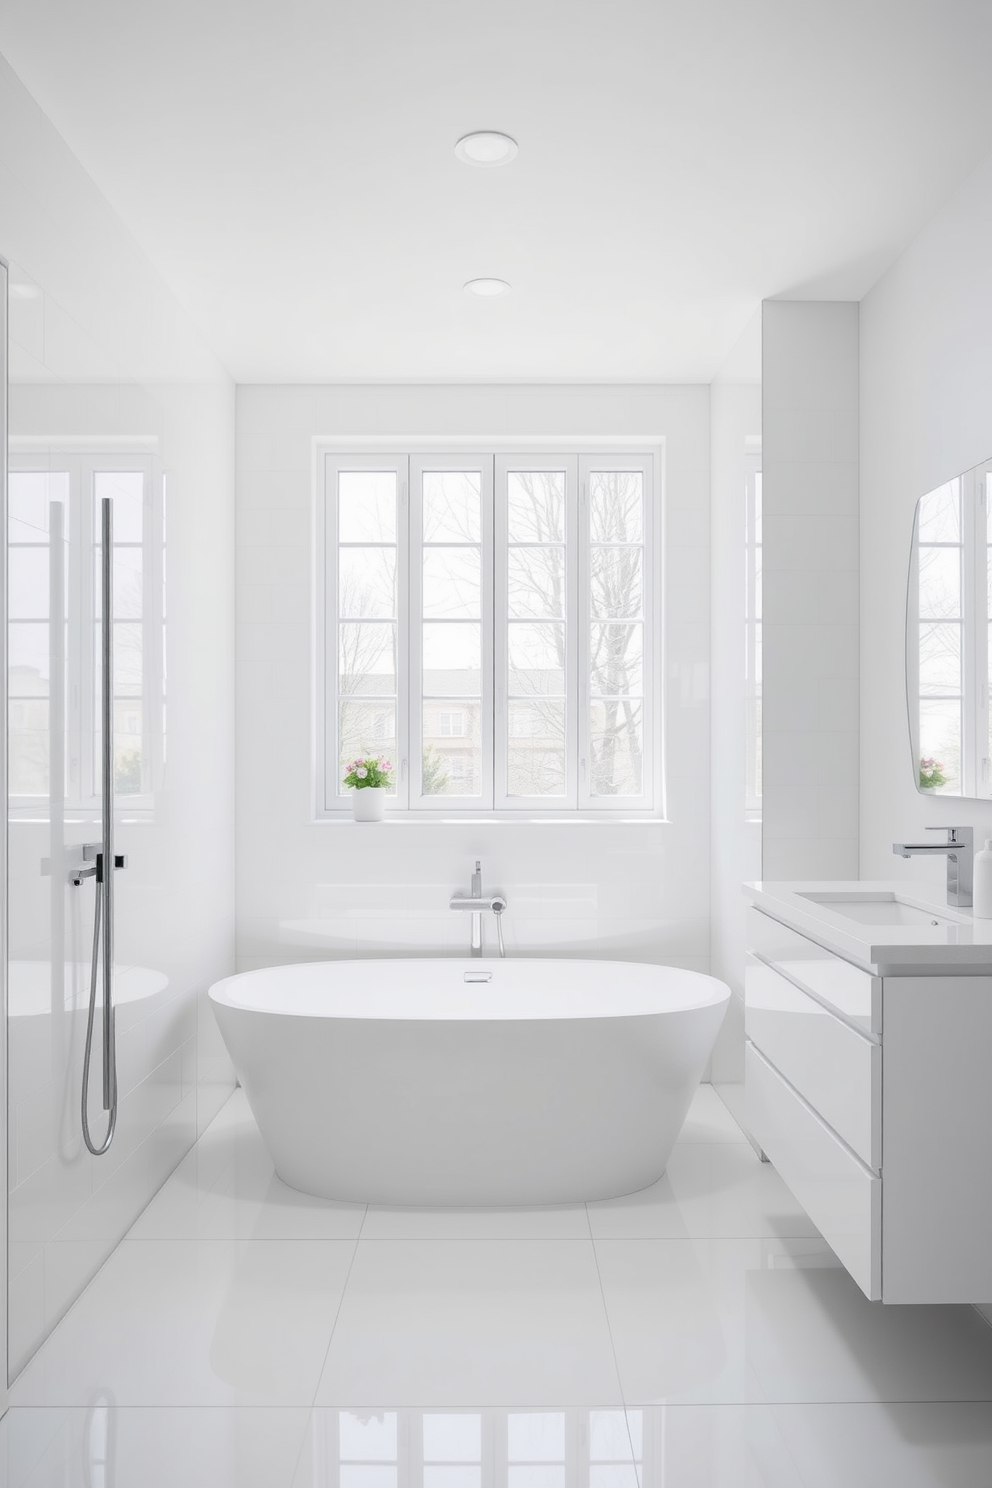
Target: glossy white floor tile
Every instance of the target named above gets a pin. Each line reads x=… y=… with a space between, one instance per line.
x=709 y=1189
x=107 y=1446
x=196 y=1322
x=697 y=1335
x=551 y=1447
x=452 y=1322
x=709 y=1120
x=928 y=1445
x=227 y=1189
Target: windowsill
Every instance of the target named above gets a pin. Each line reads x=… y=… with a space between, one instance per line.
x=499 y=819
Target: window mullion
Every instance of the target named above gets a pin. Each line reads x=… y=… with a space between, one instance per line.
x=404 y=629
x=579 y=627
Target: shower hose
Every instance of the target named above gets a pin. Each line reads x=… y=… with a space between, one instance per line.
x=110 y=1042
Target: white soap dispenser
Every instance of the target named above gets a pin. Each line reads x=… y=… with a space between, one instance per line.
x=982 y=891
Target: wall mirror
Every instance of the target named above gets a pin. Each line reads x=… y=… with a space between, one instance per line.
x=948 y=650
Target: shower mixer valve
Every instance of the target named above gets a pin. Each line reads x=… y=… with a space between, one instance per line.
x=92 y=864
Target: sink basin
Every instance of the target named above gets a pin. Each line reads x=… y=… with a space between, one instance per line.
x=875 y=908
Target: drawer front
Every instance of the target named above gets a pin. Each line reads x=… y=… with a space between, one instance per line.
x=853 y=993
x=835 y=1068
x=841 y=1196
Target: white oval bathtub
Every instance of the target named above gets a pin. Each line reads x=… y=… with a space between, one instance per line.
x=400 y=1082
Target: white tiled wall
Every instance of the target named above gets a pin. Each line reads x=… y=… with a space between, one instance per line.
x=308 y=890
x=810 y=459
x=102 y=357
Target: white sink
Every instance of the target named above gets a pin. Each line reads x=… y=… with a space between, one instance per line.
x=875 y=907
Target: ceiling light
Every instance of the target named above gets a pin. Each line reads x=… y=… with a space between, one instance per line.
x=486 y=287
x=20 y=291
x=486 y=147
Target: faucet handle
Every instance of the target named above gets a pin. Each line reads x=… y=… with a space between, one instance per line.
x=966 y=838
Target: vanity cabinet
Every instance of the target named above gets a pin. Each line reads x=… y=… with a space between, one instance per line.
x=871 y=1094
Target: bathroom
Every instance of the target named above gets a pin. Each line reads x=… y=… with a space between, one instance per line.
x=192 y=333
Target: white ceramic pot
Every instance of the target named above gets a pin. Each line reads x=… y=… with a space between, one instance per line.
x=368 y=803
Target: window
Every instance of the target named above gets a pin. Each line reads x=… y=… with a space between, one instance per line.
x=949 y=631
x=488 y=622
x=54 y=620
x=752 y=632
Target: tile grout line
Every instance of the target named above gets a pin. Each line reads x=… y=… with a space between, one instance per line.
x=330 y=1339
x=613 y=1347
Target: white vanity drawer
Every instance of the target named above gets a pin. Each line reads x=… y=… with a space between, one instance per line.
x=836 y=1069
x=853 y=993
x=841 y=1196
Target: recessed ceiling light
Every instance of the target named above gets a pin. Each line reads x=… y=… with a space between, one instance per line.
x=486 y=287
x=486 y=147
x=20 y=291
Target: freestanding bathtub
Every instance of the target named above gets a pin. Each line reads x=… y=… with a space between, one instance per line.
x=414 y=1082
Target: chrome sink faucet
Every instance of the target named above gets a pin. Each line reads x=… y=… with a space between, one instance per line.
x=476 y=903
x=960 y=851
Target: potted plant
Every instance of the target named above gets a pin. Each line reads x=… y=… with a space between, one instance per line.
x=369 y=781
x=931 y=774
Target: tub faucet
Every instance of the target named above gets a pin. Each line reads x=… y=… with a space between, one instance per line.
x=476 y=902
x=960 y=851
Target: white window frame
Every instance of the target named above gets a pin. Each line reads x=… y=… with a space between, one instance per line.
x=81 y=540
x=975 y=552
x=409 y=459
x=753 y=632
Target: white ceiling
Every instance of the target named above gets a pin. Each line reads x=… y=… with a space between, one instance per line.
x=288 y=166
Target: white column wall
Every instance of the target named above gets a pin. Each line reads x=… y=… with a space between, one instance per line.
x=810 y=455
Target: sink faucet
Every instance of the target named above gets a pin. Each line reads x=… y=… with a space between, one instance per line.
x=476 y=902
x=960 y=851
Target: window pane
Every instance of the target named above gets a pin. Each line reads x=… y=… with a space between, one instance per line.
x=367 y=506
x=940 y=514
x=29 y=663
x=616 y=499
x=365 y=728
x=616 y=746
x=28 y=577
x=452 y=506
x=536 y=583
x=940 y=659
x=452 y=1438
x=367 y=583
x=615 y=583
x=367 y=657
x=940 y=742
x=29 y=494
x=128 y=583
x=611 y=1434
x=452 y=763
x=536 y=748
x=367 y=1439
x=465 y=1475
x=453 y=659
x=616 y=660
x=536 y=1436
x=127 y=658
x=536 y=1475
x=940 y=583
x=535 y=502
x=613 y=1475
x=126 y=488
x=29 y=747
x=536 y=659
x=453 y=583
x=368 y=1475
